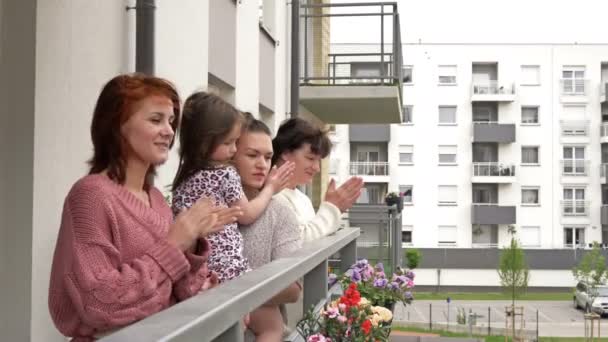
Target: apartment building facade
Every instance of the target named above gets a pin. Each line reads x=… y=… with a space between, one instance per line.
x=493 y=137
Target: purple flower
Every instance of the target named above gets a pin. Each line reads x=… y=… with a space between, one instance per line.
x=366 y=273
x=356 y=276
x=380 y=267
x=410 y=275
x=408 y=295
x=380 y=282
x=380 y=275
x=362 y=263
x=332 y=279
x=400 y=279
x=394 y=286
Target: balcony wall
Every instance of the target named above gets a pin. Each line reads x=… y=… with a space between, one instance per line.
x=494 y=133
x=267 y=69
x=222 y=40
x=492 y=214
x=604 y=215
x=369 y=133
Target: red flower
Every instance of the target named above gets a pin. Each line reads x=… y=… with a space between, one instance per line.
x=351 y=297
x=366 y=326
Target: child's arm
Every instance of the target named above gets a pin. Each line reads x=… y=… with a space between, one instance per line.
x=277 y=180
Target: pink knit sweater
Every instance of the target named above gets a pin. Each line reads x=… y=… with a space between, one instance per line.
x=112 y=265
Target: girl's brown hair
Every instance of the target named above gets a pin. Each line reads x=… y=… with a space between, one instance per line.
x=115 y=105
x=207 y=120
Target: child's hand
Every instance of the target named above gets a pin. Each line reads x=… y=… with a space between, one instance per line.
x=279 y=178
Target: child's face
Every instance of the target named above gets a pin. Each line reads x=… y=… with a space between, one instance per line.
x=227 y=147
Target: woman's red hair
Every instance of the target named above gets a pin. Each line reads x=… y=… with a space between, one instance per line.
x=115 y=105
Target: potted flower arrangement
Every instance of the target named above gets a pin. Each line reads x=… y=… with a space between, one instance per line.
x=374 y=285
x=394 y=198
x=351 y=318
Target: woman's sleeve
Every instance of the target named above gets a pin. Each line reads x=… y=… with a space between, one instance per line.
x=106 y=291
x=193 y=281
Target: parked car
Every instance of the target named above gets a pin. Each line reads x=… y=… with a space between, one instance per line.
x=591 y=299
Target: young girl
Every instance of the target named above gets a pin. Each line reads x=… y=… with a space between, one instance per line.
x=209 y=131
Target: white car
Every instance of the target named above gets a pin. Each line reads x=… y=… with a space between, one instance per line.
x=591 y=300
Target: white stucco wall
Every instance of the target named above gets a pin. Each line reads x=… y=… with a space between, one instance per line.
x=479 y=277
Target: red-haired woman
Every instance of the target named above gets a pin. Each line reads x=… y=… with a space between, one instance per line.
x=120 y=256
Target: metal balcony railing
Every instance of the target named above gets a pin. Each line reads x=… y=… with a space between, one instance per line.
x=575 y=208
x=575 y=167
x=217 y=314
x=368 y=168
x=492 y=88
x=380 y=64
x=579 y=128
x=574 y=86
x=493 y=169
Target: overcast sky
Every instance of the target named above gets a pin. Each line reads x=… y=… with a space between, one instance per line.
x=483 y=21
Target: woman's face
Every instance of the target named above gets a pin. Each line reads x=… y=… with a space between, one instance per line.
x=148 y=131
x=252 y=158
x=307 y=164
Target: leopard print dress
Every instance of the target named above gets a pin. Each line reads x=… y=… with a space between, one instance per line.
x=223 y=186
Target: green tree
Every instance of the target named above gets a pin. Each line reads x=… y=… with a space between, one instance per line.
x=592 y=268
x=513 y=272
x=413 y=257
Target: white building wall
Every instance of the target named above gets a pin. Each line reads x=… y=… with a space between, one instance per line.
x=425 y=135
x=481 y=277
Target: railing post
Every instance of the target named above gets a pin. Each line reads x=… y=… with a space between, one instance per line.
x=315 y=285
x=348 y=256
x=235 y=333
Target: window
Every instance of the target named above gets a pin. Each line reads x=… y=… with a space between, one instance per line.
x=530 y=75
x=530 y=236
x=574 y=237
x=447 y=74
x=573 y=80
x=406 y=235
x=408 y=193
x=574 y=161
x=574 y=203
x=530 y=196
x=406 y=154
x=408 y=114
x=448 y=195
x=447 y=235
x=529 y=115
x=529 y=155
x=408 y=74
x=447 y=115
x=447 y=154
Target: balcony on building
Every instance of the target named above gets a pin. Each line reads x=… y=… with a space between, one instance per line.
x=604 y=215
x=487 y=128
x=574 y=131
x=369 y=159
x=487 y=207
x=353 y=86
x=575 y=167
x=484 y=236
x=604 y=83
x=222 y=48
x=488 y=87
x=493 y=172
x=574 y=90
x=575 y=208
x=604 y=133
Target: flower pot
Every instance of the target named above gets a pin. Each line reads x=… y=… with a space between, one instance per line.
x=395 y=201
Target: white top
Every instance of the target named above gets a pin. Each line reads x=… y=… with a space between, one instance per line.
x=312 y=225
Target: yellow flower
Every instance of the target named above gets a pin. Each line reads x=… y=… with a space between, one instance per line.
x=385 y=314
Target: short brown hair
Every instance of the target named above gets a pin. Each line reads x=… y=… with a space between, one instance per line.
x=296 y=132
x=115 y=105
